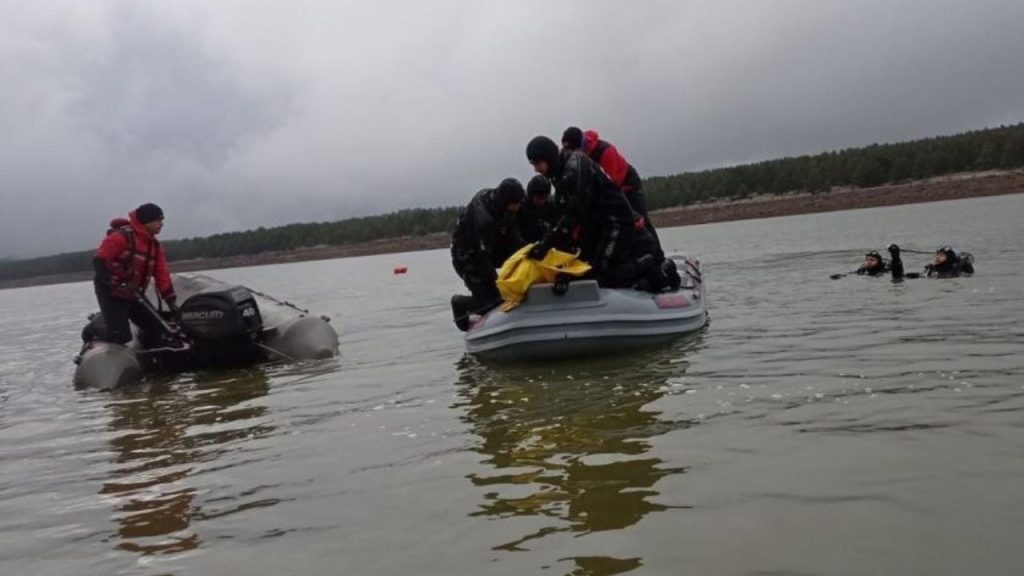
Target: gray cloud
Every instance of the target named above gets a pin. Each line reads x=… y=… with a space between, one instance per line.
x=233 y=115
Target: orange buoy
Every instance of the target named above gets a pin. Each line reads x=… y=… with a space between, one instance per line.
x=401 y=269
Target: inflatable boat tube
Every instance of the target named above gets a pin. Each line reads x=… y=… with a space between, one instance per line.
x=589 y=320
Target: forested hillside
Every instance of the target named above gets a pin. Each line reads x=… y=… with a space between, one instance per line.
x=873 y=165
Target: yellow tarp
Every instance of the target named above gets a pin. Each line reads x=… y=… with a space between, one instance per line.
x=518 y=273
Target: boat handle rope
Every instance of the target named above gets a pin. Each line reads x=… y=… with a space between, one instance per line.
x=278 y=352
x=276 y=301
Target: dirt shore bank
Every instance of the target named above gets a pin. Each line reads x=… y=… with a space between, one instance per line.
x=967 y=185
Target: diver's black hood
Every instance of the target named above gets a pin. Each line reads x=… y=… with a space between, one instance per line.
x=539 y=185
x=881 y=263
x=542 y=148
x=951 y=258
x=509 y=191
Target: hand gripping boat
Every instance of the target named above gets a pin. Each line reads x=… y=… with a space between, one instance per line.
x=589 y=320
x=226 y=326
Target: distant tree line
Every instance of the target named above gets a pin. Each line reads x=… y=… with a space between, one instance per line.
x=873 y=165
x=414 y=222
x=994 y=148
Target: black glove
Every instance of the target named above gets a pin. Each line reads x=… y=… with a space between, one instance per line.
x=539 y=250
x=561 y=285
x=894 y=250
x=173 y=308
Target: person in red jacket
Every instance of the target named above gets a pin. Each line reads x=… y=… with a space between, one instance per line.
x=124 y=263
x=619 y=171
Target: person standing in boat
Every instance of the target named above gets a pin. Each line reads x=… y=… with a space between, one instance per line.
x=485 y=235
x=538 y=214
x=596 y=217
x=124 y=263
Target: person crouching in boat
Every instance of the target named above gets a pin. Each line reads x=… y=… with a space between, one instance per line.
x=485 y=235
x=124 y=263
x=949 y=264
x=618 y=170
x=596 y=217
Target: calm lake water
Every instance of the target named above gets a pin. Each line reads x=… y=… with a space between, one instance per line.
x=857 y=426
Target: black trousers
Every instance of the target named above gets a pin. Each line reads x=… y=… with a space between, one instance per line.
x=625 y=271
x=638 y=201
x=117 y=312
x=480 y=282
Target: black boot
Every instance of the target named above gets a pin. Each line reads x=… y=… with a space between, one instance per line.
x=668 y=269
x=656 y=281
x=645 y=264
x=461 y=307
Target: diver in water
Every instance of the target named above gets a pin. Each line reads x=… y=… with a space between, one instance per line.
x=873 y=265
x=949 y=264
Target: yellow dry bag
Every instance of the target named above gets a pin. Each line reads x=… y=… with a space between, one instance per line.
x=518 y=273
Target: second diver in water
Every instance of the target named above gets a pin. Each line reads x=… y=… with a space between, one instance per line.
x=949 y=264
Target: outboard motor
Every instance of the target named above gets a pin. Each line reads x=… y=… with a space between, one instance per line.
x=225 y=325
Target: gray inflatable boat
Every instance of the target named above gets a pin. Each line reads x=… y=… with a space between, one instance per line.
x=224 y=325
x=588 y=320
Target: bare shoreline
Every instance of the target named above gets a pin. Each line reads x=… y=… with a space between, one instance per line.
x=951 y=187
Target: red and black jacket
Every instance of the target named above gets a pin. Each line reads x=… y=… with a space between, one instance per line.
x=128 y=257
x=614 y=164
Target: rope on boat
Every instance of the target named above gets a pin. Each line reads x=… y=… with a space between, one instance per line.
x=278 y=352
x=276 y=301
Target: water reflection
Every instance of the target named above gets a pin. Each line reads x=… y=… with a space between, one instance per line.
x=163 y=434
x=569 y=443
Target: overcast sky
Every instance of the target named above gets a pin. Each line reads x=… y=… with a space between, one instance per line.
x=236 y=114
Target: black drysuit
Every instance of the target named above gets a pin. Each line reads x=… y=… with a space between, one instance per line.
x=955 y=266
x=598 y=218
x=535 y=221
x=485 y=236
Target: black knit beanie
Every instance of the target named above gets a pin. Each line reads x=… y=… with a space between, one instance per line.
x=572 y=138
x=149 y=213
x=542 y=148
x=538 y=186
x=510 y=191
